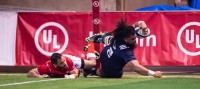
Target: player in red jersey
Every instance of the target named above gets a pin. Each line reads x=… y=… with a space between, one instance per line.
x=61 y=66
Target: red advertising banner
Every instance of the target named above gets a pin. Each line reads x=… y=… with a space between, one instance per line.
x=41 y=33
x=174 y=39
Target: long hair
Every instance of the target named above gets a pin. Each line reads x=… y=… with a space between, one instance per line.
x=122 y=31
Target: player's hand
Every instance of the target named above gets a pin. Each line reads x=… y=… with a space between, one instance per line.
x=142 y=25
x=142 y=30
x=158 y=74
x=45 y=76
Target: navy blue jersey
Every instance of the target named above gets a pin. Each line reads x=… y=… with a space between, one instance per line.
x=114 y=57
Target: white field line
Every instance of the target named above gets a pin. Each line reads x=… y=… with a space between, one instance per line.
x=164 y=76
x=171 y=76
x=27 y=82
x=182 y=76
x=10 y=74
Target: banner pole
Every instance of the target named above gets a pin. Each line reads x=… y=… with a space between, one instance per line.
x=96 y=22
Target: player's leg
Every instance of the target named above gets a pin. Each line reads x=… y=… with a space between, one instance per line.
x=104 y=38
x=99 y=72
x=79 y=63
x=90 y=59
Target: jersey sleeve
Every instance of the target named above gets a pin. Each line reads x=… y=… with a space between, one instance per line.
x=70 y=63
x=128 y=55
x=71 y=69
x=43 y=69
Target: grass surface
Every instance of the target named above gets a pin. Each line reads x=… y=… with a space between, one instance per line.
x=129 y=81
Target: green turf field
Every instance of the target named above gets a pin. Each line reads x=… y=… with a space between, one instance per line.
x=129 y=81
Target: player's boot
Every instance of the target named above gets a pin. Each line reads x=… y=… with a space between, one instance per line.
x=95 y=52
x=97 y=38
x=86 y=72
x=89 y=72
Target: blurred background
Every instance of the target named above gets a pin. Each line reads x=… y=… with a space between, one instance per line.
x=84 y=5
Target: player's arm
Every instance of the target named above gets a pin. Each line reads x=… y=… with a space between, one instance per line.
x=34 y=74
x=76 y=73
x=142 y=70
x=91 y=60
x=73 y=74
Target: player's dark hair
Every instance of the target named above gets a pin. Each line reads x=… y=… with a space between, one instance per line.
x=122 y=31
x=55 y=57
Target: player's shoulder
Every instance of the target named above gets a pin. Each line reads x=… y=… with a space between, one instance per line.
x=47 y=64
x=69 y=60
x=45 y=68
x=123 y=47
x=120 y=45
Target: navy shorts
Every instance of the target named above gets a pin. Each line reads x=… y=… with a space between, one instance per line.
x=106 y=73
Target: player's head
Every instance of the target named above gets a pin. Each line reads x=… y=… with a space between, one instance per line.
x=125 y=33
x=58 y=60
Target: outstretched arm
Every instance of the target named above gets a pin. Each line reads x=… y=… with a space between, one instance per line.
x=142 y=70
x=34 y=74
x=73 y=74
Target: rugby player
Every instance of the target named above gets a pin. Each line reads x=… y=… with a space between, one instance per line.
x=118 y=51
x=60 y=66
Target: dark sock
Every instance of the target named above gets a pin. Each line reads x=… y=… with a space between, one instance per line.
x=93 y=71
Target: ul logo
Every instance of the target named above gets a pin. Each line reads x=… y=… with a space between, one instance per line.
x=96 y=4
x=96 y=21
x=49 y=38
x=190 y=38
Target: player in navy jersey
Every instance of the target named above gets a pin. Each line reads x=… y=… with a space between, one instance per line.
x=119 y=50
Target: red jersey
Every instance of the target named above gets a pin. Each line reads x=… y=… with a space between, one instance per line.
x=51 y=71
